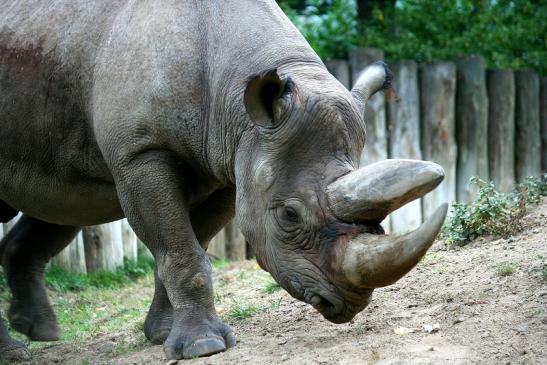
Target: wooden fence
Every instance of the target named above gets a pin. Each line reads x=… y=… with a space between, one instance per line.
x=470 y=120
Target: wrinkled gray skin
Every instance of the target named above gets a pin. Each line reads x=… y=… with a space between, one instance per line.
x=175 y=114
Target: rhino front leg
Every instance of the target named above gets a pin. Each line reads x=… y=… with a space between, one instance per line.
x=207 y=220
x=155 y=194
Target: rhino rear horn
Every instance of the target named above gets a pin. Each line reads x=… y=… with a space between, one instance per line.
x=372 y=79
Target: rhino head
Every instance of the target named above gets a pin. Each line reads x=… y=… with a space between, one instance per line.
x=310 y=213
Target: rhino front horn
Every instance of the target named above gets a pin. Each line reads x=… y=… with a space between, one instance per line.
x=369 y=194
x=373 y=261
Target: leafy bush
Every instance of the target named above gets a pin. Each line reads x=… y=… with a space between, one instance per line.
x=509 y=34
x=493 y=212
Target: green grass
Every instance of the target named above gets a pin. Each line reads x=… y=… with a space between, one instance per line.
x=220 y=263
x=60 y=280
x=241 y=310
x=270 y=287
x=505 y=268
x=492 y=212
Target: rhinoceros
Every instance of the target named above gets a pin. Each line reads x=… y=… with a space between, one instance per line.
x=179 y=115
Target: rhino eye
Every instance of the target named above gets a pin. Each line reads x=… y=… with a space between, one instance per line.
x=291 y=214
x=287 y=216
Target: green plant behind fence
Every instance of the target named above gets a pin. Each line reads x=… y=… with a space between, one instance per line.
x=509 y=34
x=492 y=212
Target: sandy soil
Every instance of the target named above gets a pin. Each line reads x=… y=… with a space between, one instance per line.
x=482 y=316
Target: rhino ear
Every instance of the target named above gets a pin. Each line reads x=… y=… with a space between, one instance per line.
x=264 y=98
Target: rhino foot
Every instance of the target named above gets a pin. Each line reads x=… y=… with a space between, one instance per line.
x=188 y=342
x=13 y=351
x=10 y=349
x=157 y=326
x=38 y=327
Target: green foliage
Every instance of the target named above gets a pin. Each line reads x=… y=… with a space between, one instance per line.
x=60 y=280
x=509 y=34
x=242 y=310
x=492 y=212
x=330 y=26
x=505 y=268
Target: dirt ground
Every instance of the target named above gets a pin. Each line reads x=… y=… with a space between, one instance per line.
x=486 y=303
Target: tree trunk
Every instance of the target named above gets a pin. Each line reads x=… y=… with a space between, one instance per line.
x=72 y=257
x=528 y=137
x=438 y=103
x=103 y=247
x=501 y=128
x=471 y=125
x=404 y=126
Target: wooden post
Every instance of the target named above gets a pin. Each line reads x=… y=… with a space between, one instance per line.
x=72 y=257
x=438 y=140
x=403 y=118
x=340 y=70
x=501 y=128
x=471 y=124
x=375 y=113
x=129 y=241
x=544 y=123
x=103 y=247
x=217 y=246
x=235 y=242
x=528 y=137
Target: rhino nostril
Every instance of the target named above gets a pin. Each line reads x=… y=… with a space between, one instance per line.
x=322 y=304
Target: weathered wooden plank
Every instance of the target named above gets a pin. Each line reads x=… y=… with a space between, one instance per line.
x=103 y=247
x=375 y=116
x=528 y=134
x=129 y=241
x=376 y=146
x=471 y=124
x=340 y=70
x=235 y=242
x=217 y=246
x=403 y=119
x=501 y=128
x=438 y=127
x=72 y=257
x=544 y=123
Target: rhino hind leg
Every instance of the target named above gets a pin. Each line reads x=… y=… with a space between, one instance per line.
x=11 y=350
x=25 y=251
x=159 y=319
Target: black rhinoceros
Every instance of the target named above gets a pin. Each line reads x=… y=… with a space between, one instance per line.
x=178 y=114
